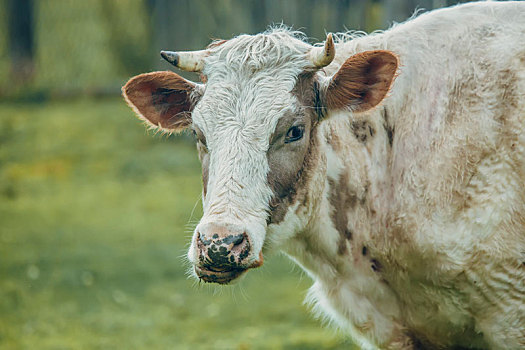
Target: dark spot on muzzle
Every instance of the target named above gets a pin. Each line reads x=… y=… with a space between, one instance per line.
x=221 y=254
x=224 y=252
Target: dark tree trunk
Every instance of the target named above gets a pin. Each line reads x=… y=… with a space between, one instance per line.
x=20 y=39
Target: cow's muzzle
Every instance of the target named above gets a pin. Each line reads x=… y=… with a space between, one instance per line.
x=224 y=253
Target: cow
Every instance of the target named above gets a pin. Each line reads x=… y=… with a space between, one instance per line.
x=389 y=166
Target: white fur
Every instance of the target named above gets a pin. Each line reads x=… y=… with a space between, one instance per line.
x=448 y=195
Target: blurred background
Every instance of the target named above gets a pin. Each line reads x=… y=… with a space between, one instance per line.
x=96 y=214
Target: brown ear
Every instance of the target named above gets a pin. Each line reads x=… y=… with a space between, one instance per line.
x=161 y=99
x=362 y=81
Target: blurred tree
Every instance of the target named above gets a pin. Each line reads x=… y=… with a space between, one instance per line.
x=65 y=48
x=122 y=34
x=20 y=40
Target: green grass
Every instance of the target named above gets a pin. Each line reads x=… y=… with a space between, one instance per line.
x=94 y=219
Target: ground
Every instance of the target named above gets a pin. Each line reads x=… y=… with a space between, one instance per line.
x=95 y=218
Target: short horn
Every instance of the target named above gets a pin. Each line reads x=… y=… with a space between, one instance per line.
x=323 y=56
x=191 y=61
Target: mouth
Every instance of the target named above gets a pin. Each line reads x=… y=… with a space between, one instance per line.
x=224 y=275
x=220 y=277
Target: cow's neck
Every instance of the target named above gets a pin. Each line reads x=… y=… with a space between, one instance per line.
x=339 y=215
x=346 y=199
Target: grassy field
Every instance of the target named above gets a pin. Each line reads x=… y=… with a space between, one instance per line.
x=95 y=216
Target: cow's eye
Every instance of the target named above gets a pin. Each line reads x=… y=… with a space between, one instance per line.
x=294 y=133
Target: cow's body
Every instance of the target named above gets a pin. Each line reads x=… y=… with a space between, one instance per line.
x=410 y=216
x=431 y=183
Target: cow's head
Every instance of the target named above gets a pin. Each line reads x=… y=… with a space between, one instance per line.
x=255 y=120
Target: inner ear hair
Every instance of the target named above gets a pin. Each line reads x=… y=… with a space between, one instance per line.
x=363 y=81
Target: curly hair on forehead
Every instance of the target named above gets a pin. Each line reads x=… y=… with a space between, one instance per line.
x=273 y=47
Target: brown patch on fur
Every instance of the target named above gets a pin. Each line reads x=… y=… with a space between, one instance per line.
x=286 y=181
x=341 y=200
x=204 y=157
x=388 y=128
x=205 y=164
x=334 y=140
x=419 y=342
x=286 y=190
x=304 y=89
x=362 y=130
x=362 y=81
x=205 y=173
x=342 y=248
x=376 y=265
x=161 y=98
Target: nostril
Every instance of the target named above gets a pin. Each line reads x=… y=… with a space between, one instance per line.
x=235 y=240
x=202 y=239
x=238 y=240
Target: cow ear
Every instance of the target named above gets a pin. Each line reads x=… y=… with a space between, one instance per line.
x=362 y=81
x=162 y=99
